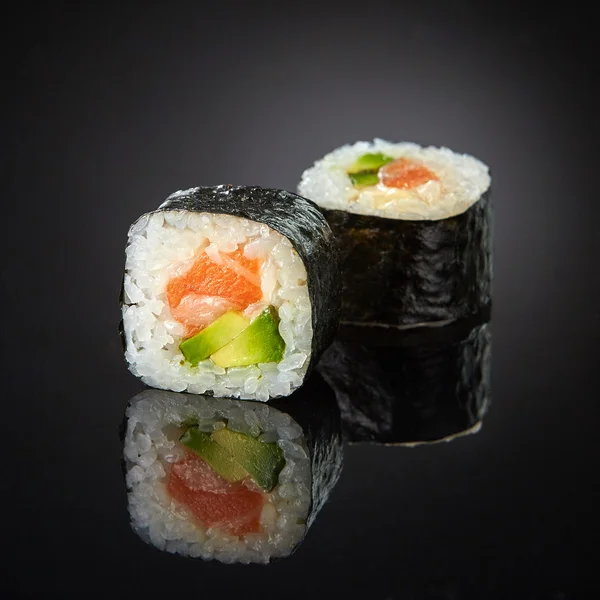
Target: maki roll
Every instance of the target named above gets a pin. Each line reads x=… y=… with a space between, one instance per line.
x=231 y=291
x=413 y=226
x=432 y=385
x=227 y=479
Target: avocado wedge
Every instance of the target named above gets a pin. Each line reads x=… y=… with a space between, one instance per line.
x=363 y=178
x=370 y=162
x=214 y=454
x=364 y=171
x=259 y=342
x=263 y=461
x=219 y=333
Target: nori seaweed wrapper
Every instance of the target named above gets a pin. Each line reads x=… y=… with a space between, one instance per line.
x=393 y=388
x=408 y=273
x=313 y=407
x=301 y=222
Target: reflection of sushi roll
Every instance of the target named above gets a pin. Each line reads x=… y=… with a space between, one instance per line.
x=228 y=479
x=228 y=290
x=426 y=387
x=413 y=227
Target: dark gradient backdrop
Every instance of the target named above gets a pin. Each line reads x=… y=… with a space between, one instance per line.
x=108 y=110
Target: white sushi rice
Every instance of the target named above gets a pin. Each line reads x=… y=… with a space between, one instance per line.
x=150 y=449
x=164 y=244
x=462 y=181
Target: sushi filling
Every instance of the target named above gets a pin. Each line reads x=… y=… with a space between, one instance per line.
x=225 y=477
x=217 y=480
x=381 y=173
x=403 y=181
x=215 y=283
x=215 y=302
x=217 y=299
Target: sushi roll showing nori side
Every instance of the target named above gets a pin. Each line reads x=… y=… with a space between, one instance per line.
x=228 y=479
x=433 y=385
x=413 y=226
x=230 y=291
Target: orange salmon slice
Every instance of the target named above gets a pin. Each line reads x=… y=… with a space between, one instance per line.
x=209 y=289
x=213 y=501
x=198 y=312
x=405 y=174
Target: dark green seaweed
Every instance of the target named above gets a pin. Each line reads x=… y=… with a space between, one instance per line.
x=397 y=388
x=409 y=273
x=313 y=407
x=301 y=222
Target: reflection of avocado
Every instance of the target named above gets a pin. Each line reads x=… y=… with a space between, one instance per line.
x=215 y=455
x=219 y=333
x=260 y=342
x=235 y=456
x=364 y=170
x=262 y=461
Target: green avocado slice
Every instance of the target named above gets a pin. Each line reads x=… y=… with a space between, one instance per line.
x=259 y=342
x=214 y=454
x=365 y=169
x=364 y=178
x=370 y=162
x=219 y=333
x=263 y=461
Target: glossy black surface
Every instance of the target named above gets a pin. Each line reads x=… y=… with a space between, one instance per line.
x=426 y=384
x=110 y=110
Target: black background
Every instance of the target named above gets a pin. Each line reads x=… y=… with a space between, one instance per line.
x=108 y=110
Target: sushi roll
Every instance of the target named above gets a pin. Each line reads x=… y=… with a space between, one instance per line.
x=226 y=479
x=430 y=386
x=413 y=226
x=230 y=291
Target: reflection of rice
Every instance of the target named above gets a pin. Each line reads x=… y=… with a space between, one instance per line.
x=164 y=244
x=150 y=450
x=462 y=181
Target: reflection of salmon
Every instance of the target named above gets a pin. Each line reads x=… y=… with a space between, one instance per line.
x=232 y=507
x=210 y=289
x=405 y=174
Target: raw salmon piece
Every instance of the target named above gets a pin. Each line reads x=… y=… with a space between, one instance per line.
x=405 y=174
x=235 y=280
x=232 y=507
x=197 y=312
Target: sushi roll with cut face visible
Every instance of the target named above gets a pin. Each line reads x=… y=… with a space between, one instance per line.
x=413 y=225
x=229 y=290
x=227 y=479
